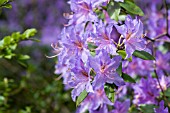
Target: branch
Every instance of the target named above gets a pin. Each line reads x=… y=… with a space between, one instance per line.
x=166 y=16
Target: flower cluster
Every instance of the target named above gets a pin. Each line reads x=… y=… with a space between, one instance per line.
x=96 y=52
x=89 y=59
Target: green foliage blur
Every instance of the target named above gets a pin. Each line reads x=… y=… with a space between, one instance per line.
x=27 y=80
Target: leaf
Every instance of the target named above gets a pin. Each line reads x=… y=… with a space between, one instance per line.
x=122 y=53
x=9 y=6
x=2 y=2
x=13 y=47
x=132 y=8
x=128 y=78
x=23 y=57
x=29 y=33
x=119 y=69
x=9 y=56
x=23 y=63
x=81 y=97
x=167 y=92
x=110 y=92
x=7 y=40
x=149 y=108
x=143 y=55
x=92 y=46
x=114 y=10
x=122 y=17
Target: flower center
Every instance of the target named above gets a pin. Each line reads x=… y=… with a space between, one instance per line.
x=78 y=44
x=102 y=69
x=128 y=36
x=84 y=73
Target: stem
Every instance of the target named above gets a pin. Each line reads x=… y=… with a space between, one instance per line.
x=158 y=78
x=166 y=14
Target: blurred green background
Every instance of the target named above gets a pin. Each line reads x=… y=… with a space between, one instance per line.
x=30 y=86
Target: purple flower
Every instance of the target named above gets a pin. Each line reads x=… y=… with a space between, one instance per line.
x=138 y=67
x=74 y=43
x=104 y=39
x=146 y=91
x=95 y=100
x=164 y=82
x=121 y=107
x=161 y=108
x=102 y=109
x=83 y=12
x=132 y=33
x=105 y=69
x=162 y=62
x=81 y=79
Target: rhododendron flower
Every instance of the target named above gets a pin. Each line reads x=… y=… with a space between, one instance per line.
x=105 y=69
x=121 y=107
x=80 y=79
x=83 y=12
x=95 y=100
x=146 y=91
x=104 y=39
x=161 y=108
x=132 y=32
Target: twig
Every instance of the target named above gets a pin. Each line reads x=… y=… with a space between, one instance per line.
x=166 y=16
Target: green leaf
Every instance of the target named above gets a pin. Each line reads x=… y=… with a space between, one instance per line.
x=122 y=53
x=2 y=2
x=167 y=92
x=143 y=55
x=149 y=108
x=7 y=40
x=114 y=10
x=119 y=69
x=9 y=6
x=23 y=63
x=110 y=92
x=122 y=17
x=9 y=56
x=92 y=46
x=29 y=33
x=132 y=8
x=13 y=47
x=1 y=43
x=81 y=97
x=23 y=57
x=128 y=78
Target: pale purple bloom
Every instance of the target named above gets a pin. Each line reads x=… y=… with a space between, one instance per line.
x=162 y=62
x=94 y=100
x=80 y=79
x=102 y=109
x=105 y=69
x=132 y=32
x=83 y=12
x=121 y=107
x=104 y=39
x=146 y=91
x=161 y=108
x=138 y=67
x=164 y=82
x=74 y=43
